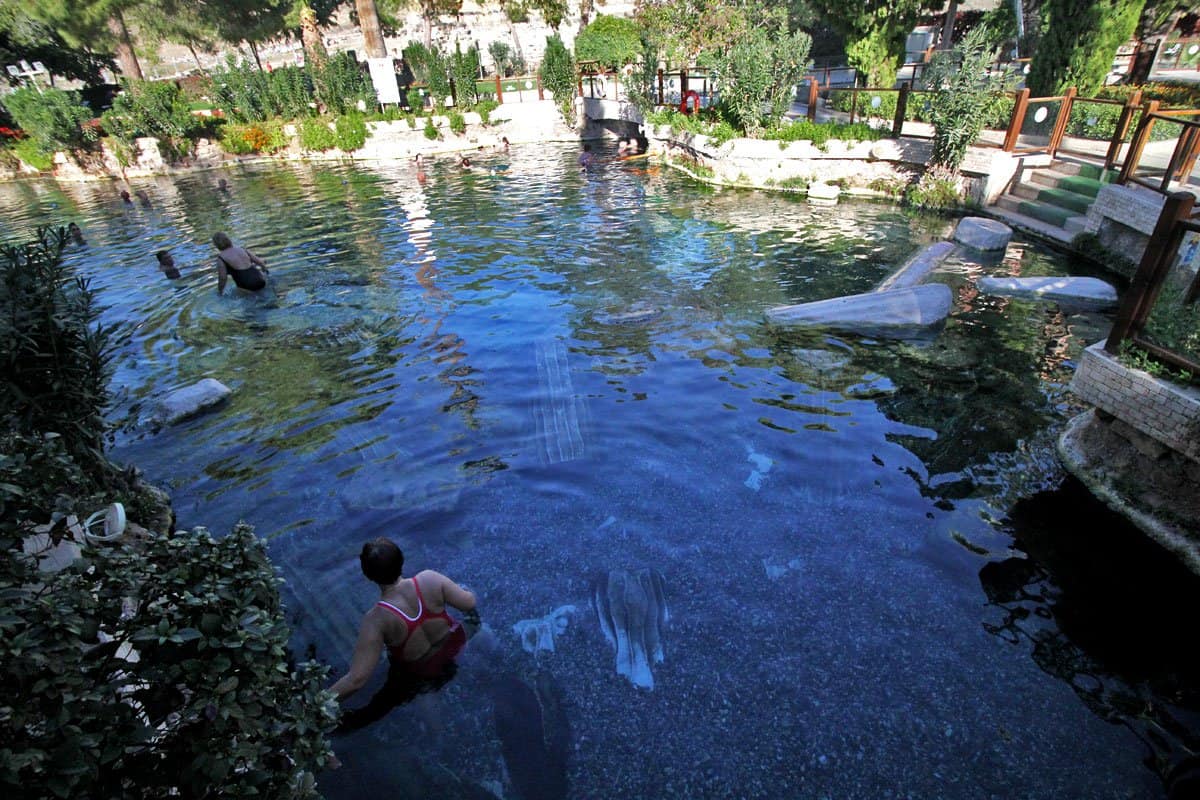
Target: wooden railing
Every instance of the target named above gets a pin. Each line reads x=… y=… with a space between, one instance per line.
x=1160 y=258
x=1183 y=157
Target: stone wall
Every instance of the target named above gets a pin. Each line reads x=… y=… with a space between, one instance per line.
x=1165 y=411
x=1123 y=217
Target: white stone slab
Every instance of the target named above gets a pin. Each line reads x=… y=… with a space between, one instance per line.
x=918 y=268
x=983 y=233
x=1090 y=292
x=190 y=400
x=823 y=191
x=893 y=313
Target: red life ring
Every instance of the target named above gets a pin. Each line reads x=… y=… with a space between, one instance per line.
x=694 y=96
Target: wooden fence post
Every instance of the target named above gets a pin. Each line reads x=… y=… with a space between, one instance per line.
x=1156 y=261
x=812 y=99
x=1060 y=123
x=1020 y=106
x=901 y=108
x=499 y=93
x=853 y=104
x=1140 y=136
x=1122 y=130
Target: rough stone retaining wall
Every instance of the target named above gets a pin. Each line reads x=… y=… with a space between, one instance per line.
x=1165 y=411
x=1123 y=217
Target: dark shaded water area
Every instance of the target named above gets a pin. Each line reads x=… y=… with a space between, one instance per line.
x=877 y=581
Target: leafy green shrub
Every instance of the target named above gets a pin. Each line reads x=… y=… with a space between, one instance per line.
x=937 y=190
x=341 y=85
x=30 y=152
x=54 y=352
x=350 y=132
x=243 y=91
x=465 y=68
x=211 y=705
x=157 y=109
x=259 y=137
x=292 y=90
x=961 y=90
x=316 y=136
x=1175 y=325
x=501 y=55
x=763 y=65
x=457 y=123
x=821 y=132
x=611 y=41
x=558 y=75
x=485 y=108
x=431 y=131
x=52 y=118
x=431 y=68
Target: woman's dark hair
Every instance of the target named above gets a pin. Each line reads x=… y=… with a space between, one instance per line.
x=381 y=561
x=161 y=254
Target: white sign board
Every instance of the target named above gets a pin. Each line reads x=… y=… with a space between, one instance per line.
x=383 y=78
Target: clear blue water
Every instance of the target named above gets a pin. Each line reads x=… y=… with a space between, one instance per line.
x=529 y=378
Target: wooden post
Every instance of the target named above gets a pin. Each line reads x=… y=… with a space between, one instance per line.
x=538 y=78
x=1122 y=130
x=1183 y=148
x=660 y=86
x=579 y=79
x=901 y=108
x=1191 y=154
x=1156 y=262
x=812 y=99
x=1140 y=137
x=1060 y=123
x=1020 y=106
x=853 y=103
x=499 y=92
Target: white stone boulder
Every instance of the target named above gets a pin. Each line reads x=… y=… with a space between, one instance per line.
x=917 y=269
x=894 y=313
x=982 y=233
x=1087 y=292
x=823 y=192
x=190 y=401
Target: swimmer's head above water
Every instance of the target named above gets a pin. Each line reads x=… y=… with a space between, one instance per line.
x=381 y=560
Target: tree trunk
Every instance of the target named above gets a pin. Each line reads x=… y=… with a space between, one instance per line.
x=585 y=13
x=947 y=40
x=127 y=60
x=315 y=54
x=368 y=21
x=512 y=31
x=428 y=31
x=254 y=52
x=196 y=57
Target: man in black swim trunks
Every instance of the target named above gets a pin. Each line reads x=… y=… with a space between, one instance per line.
x=248 y=271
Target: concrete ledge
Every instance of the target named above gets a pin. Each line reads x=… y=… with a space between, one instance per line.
x=1162 y=410
x=1149 y=488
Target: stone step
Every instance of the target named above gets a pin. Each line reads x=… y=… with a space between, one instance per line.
x=1071 y=201
x=1052 y=215
x=1019 y=220
x=1076 y=225
x=1089 y=187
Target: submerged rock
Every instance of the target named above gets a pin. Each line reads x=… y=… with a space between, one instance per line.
x=632 y=611
x=1089 y=292
x=918 y=268
x=893 y=312
x=191 y=400
x=983 y=233
x=538 y=633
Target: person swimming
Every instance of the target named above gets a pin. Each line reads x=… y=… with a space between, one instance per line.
x=410 y=622
x=248 y=271
x=75 y=233
x=143 y=198
x=126 y=198
x=421 y=176
x=464 y=162
x=222 y=185
x=166 y=262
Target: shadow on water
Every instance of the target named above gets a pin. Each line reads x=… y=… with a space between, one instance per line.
x=1107 y=611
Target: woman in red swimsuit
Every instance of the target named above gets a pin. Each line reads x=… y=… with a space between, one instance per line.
x=411 y=623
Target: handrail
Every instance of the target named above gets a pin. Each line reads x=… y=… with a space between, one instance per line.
x=1183 y=157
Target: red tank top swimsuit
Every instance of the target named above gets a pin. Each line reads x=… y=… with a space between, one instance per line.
x=432 y=663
